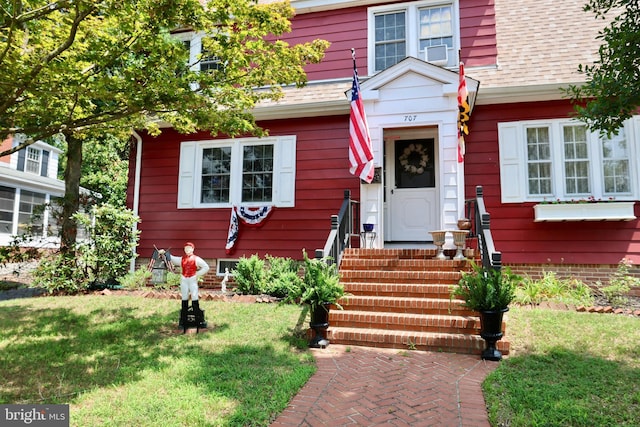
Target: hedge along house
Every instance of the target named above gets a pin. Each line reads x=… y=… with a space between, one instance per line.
x=523 y=148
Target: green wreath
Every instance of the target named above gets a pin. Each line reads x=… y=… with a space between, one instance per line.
x=414 y=159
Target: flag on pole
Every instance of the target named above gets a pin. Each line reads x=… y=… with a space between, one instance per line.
x=360 y=152
x=463 y=115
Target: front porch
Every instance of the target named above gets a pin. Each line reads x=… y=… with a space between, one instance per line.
x=400 y=298
x=399 y=295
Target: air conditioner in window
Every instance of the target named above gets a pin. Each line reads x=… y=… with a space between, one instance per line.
x=437 y=55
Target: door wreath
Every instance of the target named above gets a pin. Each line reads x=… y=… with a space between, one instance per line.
x=414 y=159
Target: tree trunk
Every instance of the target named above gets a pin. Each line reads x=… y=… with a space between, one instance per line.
x=71 y=200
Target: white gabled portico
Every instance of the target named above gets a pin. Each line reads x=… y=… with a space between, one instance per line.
x=412 y=111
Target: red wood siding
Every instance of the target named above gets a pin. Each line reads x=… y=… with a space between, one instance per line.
x=516 y=235
x=344 y=29
x=322 y=176
x=347 y=28
x=478 y=33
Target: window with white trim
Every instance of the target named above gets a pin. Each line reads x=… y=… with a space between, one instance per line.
x=247 y=171
x=423 y=29
x=548 y=160
x=200 y=58
x=31 y=213
x=33 y=160
x=7 y=203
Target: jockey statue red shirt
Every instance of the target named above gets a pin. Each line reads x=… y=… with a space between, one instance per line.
x=189 y=265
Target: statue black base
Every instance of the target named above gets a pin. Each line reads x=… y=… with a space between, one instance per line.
x=191 y=317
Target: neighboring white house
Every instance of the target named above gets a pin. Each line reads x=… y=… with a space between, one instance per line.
x=28 y=180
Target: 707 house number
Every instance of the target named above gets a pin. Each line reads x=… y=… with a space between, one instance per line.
x=411 y=118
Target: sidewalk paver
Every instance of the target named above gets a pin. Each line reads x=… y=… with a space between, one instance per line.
x=362 y=386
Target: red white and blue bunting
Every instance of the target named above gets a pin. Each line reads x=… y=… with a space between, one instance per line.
x=232 y=237
x=251 y=217
x=254 y=217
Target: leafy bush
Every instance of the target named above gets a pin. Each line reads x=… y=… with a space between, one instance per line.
x=552 y=288
x=320 y=284
x=99 y=260
x=486 y=289
x=250 y=275
x=173 y=279
x=135 y=280
x=282 y=276
x=111 y=241
x=60 y=273
x=620 y=284
x=288 y=282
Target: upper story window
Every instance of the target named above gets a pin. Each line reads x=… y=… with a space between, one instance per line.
x=199 y=57
x=423 y=29
x=33 y=160
x=561 y=160
x=250 y=171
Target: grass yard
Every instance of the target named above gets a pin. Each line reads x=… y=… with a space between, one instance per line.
x=119 y=361
x=567 y=369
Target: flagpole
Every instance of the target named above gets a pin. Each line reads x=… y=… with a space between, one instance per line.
x=353 y=56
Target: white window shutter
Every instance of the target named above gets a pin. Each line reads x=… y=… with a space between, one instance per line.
x=512 y=163
x=284 y=180
x=186 y=175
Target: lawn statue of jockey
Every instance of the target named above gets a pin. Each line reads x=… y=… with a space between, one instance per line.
x=193 y=267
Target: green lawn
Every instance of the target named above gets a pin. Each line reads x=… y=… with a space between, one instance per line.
x=118 y=361
x=567 y=369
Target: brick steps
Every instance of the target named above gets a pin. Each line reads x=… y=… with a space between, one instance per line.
x=412 y=340
x=441 y=323
x=403 y=304
x=399 y=298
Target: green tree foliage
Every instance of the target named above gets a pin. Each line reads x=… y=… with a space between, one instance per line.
x=86 y=68
x=105 y=167
x=612 y=93
x=100 y=259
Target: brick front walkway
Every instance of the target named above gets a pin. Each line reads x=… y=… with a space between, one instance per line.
x=369 y=386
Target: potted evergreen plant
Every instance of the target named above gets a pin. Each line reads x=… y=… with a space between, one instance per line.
x=320 y=288
x=489 y=292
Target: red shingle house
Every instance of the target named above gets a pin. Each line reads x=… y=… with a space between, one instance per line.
x=524 y=148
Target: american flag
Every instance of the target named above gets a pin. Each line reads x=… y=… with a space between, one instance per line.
x=360 y=152
x=463 y=115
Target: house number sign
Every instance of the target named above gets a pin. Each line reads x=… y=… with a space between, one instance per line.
x=411 y=118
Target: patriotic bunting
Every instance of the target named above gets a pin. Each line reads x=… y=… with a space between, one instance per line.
x=232 y=236
x=251 y=217
x=254 y=217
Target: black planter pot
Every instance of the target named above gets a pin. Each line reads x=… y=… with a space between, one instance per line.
x=491 y=332
x=319 y=323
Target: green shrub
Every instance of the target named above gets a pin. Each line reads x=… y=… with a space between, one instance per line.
x=111 y=241
x=135 y=280
x=320 y=284
x=620 y=284
x=61 y=273
x=486 y=289
x=551 y=288
x=97 y=261
x=250 y=275
x=173 y=279
x=282 y=276
x=286 y=283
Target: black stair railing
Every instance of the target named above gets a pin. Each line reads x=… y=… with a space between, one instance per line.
x=342 y=230
x=481 y=228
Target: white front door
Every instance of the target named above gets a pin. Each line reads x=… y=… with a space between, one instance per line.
x=411 y=190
